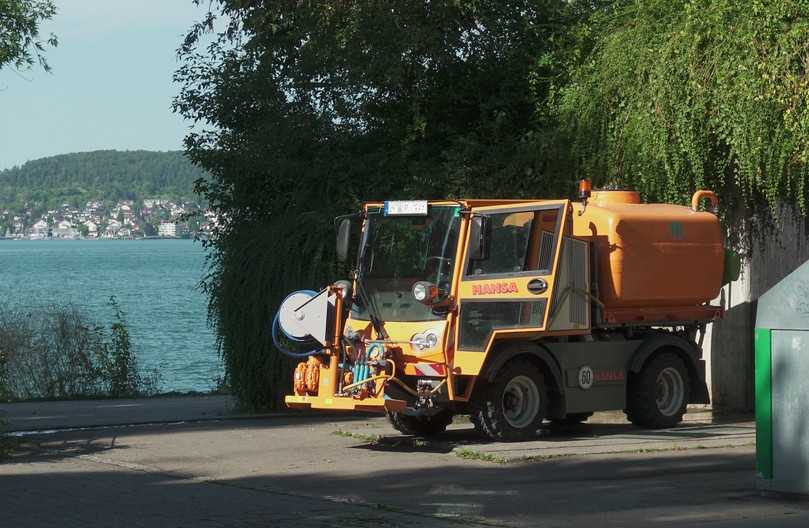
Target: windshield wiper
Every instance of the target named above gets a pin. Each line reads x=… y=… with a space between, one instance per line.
x=370 y=304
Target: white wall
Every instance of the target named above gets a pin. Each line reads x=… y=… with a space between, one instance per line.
x=728 y=346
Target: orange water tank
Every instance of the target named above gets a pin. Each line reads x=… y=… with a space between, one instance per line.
x=651 y=255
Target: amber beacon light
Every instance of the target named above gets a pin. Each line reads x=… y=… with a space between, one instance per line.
x=585 y=189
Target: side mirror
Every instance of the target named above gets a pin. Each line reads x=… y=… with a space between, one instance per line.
x=478 y=228
x=343 y=239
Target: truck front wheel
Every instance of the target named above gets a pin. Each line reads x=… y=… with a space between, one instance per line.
x=658 y=394
x=420 y=425
x=513 y=406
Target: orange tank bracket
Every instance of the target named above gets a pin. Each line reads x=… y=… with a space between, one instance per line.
x=700 y=195
x=661 y=315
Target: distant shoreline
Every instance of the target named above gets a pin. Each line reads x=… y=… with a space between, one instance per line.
x=12 y=239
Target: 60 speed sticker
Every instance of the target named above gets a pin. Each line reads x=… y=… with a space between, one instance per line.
x=586 y=377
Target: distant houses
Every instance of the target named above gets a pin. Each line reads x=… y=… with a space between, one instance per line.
x=108 y=220
x=40 y=230
x=65 y=230
x=92 y=229
x=111 y=231
x=126 y=212
x=172 y=230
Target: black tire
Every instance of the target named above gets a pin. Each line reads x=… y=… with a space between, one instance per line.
x=572 y=419
x=658 y=395
x=513 y=406
x=476 y=423
x=420 y=425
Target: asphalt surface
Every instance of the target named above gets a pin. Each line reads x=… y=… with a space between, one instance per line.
x=88 y=413
x=315 y=471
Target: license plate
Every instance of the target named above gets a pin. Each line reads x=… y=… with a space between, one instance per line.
x=406 y=208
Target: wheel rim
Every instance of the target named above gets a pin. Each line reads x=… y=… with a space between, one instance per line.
x=669 y=391
x=520 y=401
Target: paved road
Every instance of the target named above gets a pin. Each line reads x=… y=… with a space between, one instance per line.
x=90 y=413
x=319 y=472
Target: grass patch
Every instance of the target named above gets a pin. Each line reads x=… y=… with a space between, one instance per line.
x=371 y=439
x=471 y=454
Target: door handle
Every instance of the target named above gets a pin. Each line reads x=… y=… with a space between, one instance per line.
x=537 y=286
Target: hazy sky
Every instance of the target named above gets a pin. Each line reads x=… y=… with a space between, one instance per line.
x=111 y=83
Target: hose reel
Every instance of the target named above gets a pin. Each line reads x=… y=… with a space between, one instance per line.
x=305 y=318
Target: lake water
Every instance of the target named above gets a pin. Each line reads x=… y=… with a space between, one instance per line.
x=154 y=281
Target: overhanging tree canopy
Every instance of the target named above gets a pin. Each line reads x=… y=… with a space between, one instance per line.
x=312 y=107
x=20 y=42
x=678 y=95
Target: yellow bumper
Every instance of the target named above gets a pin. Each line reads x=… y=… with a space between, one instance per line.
x=340 y=403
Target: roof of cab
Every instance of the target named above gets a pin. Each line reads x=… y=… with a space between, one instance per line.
x=478 y=202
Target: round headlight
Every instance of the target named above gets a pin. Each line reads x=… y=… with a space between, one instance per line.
x=419 y=341
x=430 y=339
x=420 y=291
x=424 y=341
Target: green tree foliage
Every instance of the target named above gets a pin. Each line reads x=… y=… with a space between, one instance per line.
x=104 y=174
x=20 y=42
x=123 y=371
x=670 y=96
x=307 y=108
x=304 y=109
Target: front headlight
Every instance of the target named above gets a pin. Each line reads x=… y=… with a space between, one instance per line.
x=420 y=291
x=431 y=339
x=428 y=339
x=424 y=292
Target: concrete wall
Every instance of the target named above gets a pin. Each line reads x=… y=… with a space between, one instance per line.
x=728 y=345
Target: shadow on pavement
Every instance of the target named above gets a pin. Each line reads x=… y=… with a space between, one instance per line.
x=551 y=434
x=673 y=490
x=52 y=445
x=296 y=472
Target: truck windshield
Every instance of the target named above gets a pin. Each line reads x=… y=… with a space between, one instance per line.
x=398 y=251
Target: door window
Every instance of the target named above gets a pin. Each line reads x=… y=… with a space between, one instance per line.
x=517 y=242
x=480 y=318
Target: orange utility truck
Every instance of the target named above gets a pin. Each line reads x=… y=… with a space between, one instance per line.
x=512 y=311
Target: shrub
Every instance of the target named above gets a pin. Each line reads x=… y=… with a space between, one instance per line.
x=55 y=352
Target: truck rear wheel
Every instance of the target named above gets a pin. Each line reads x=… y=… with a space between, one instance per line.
x=513 y=406
x=420 y=425
x=658 y=395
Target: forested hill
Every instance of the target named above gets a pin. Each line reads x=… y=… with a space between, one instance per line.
x=98 y=175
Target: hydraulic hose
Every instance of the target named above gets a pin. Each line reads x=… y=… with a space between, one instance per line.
x=366 y=380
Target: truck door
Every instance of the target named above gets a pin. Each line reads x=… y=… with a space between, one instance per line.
x=507 y=292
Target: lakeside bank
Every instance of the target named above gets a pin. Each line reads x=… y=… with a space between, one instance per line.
x=155 y=282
